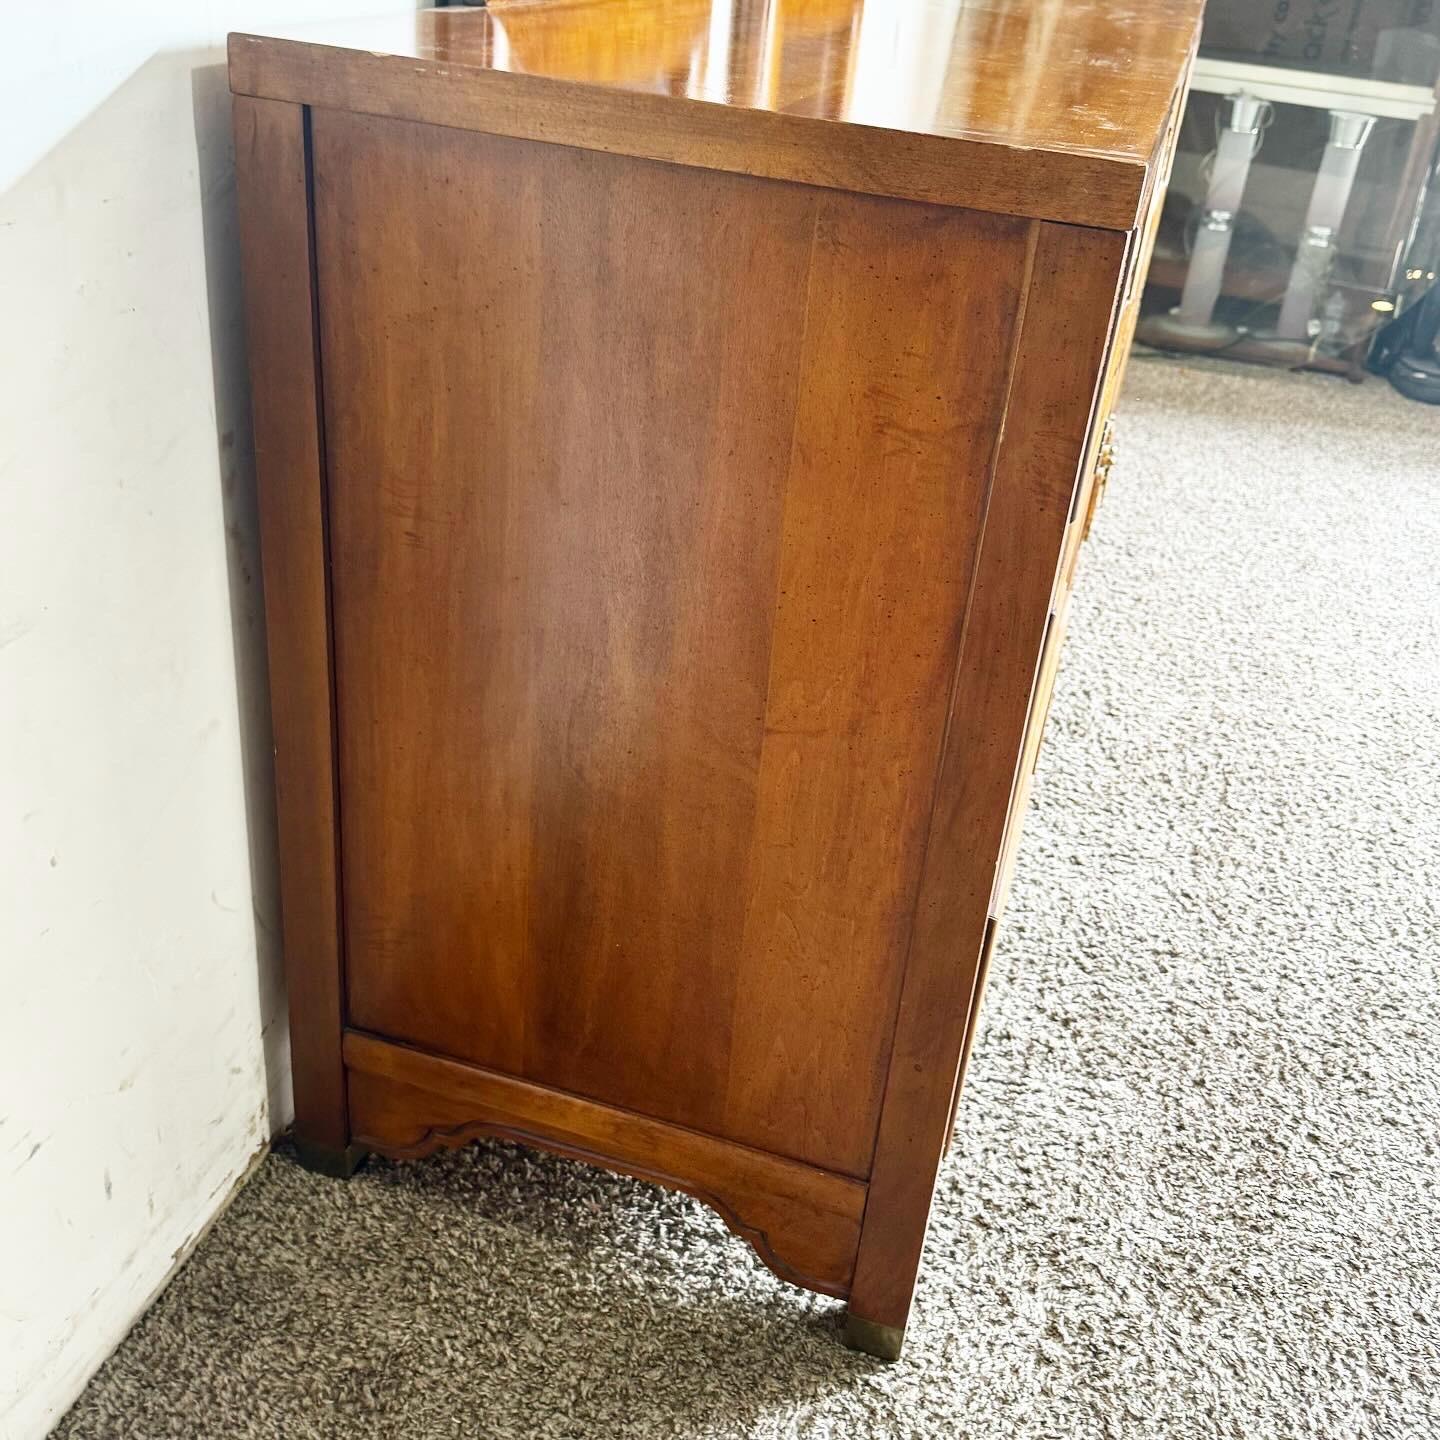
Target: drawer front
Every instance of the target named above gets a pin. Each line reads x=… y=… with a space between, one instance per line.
x=1102 y=441
x=1089 y=493
x=1030 y=755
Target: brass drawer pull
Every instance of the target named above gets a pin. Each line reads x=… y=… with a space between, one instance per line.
x=1104 y=459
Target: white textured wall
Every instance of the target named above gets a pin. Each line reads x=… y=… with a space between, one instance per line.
x=141 y=1026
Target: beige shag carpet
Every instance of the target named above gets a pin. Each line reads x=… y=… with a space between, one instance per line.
x=1196 y=1191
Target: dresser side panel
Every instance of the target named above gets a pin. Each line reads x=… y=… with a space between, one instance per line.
x=274 y=205
x=1069 y=311
x=655 y=497
x=901 y=398
x=561 y=390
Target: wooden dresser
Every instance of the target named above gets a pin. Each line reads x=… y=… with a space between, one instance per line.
x=677 y=421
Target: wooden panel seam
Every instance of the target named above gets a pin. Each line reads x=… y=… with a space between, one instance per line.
x=964 y=843
x=338 y=799
x=1017 y=328
x=955 y=509
x=277 y=258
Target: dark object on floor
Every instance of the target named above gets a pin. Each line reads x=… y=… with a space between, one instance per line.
x=1410 y=356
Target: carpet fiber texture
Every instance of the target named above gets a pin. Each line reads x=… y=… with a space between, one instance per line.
x=1195 y=1190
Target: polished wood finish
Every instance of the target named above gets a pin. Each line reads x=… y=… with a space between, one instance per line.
x=542 y=591
x=803 y=1222
x=671 y=563
x=568 y=852
x=1053 y=109
x=271 y=160
x=885 y=494
x=1055 y=365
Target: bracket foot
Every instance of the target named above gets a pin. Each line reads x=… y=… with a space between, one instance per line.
x=884 y=1342
x=327 y=1160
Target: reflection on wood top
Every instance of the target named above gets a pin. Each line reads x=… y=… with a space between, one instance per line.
x=812 y=90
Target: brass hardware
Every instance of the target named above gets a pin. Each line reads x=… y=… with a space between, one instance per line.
x=1104 y=459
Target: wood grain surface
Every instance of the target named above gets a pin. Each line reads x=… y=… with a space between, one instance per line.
x=637 y=763
x=1054 y=109
x=675 y=424
x=1075 y=278
x=271 y=166
x=882 y=513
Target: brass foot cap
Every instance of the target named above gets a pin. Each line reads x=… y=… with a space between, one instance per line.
x=884 y=1342
x=326 y=1160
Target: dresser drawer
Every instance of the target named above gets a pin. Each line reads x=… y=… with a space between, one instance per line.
x=1030 y=754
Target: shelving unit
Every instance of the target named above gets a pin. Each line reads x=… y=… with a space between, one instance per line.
x=1354 y=96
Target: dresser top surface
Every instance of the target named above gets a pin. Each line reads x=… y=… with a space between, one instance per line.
x=1091 y=79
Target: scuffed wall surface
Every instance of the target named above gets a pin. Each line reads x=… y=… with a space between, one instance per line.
x=142 y=1045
